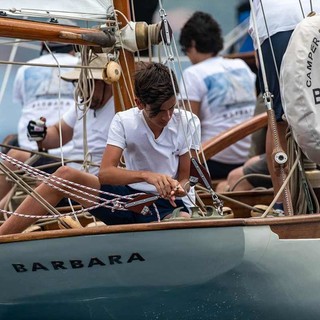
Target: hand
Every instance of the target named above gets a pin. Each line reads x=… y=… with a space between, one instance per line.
x=179 y=191
x=166 y=186
x=37 y=129
x=163 y=183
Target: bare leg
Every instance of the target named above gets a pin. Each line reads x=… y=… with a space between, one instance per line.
x=222 y=186
x=4 y=200
x=238 y=173
x=6 y=185
x=17 y=224
x=234 y=176
x=7 y=198
x=182 y=214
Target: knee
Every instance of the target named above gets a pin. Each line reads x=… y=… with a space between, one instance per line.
x=252 y=161
x=16 y=155
x=65 y=172
x=19 y=155
x=235 y=174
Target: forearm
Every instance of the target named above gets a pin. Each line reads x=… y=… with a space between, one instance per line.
x=52 y=139
x=165 y=185
x=121 y=176
x=184 y=172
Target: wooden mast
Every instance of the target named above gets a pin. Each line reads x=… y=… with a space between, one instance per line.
x=126 y=60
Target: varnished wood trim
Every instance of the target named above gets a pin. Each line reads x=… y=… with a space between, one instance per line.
x=295 y=227
x=248 y=57
x=301 y=230
x=42 y=31
x=234 y=134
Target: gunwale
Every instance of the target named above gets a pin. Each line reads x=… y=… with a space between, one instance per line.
x=305 y=227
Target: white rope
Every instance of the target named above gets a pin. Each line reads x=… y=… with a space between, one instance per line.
x=171 y=52
x=46 y=65
x=113 y=204
x=284 y=185
x=59 y=102
x=44 y=176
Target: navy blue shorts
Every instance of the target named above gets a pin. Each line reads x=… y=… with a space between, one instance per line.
x=110 y=217
x=47 y=160
x=279 y=43
x=219 y=170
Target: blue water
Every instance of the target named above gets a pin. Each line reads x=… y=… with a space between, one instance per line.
x=225 y=298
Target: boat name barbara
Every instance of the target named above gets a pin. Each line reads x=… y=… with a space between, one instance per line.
x=77 y=263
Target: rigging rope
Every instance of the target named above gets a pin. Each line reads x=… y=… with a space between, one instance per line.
x=304 y=199
x=76 y=190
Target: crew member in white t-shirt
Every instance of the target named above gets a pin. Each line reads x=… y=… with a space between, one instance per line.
x=97 y=122
x=221 y=91
x=98 y=119
x=154 y=139
x=41 y=92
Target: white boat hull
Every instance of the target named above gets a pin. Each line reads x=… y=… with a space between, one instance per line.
x=240 y=272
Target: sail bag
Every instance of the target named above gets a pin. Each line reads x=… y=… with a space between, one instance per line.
x=300 y=86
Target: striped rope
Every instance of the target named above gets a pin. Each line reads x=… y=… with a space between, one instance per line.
x=53 y=181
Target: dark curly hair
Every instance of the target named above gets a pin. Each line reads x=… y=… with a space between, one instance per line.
x=153 y=85
x=204 y=31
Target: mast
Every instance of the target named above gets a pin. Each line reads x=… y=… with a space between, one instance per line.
x=126 y=60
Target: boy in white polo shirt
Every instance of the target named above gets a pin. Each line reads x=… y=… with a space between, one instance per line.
x=155 y=140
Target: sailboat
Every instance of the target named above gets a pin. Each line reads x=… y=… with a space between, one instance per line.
x=208 y=267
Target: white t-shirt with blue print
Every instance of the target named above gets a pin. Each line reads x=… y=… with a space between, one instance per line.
x=226 y=91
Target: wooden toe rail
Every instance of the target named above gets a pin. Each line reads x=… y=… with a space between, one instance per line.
x=229 y=137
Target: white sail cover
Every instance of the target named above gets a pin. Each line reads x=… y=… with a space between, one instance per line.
x=73 y=9
x=300 y=86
